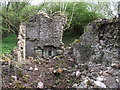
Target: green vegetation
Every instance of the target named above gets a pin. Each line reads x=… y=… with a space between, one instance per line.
x=13 y=14
x=79 y=14
x=68 y=38
x=8 y=43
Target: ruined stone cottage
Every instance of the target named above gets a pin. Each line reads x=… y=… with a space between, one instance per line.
x=41 y=35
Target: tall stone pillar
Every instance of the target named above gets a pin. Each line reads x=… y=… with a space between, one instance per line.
x=21 y=43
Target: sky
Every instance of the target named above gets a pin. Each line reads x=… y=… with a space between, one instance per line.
x=36 y=2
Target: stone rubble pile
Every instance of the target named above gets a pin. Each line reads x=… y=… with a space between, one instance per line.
x=89 y=74
x=97 y=76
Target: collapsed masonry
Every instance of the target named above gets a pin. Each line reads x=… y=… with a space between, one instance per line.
x=99 y=43
x=41 y=35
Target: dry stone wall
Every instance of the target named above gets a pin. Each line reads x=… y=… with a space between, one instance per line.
x=99 y=43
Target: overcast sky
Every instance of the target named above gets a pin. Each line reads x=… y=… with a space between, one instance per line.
x=36 y=2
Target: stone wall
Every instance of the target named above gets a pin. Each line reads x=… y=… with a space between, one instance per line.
x=99 y=43
x=21 y=43
x=43 y=30
x=41 y=35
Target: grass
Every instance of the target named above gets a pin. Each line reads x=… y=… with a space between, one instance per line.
x=8 y=43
